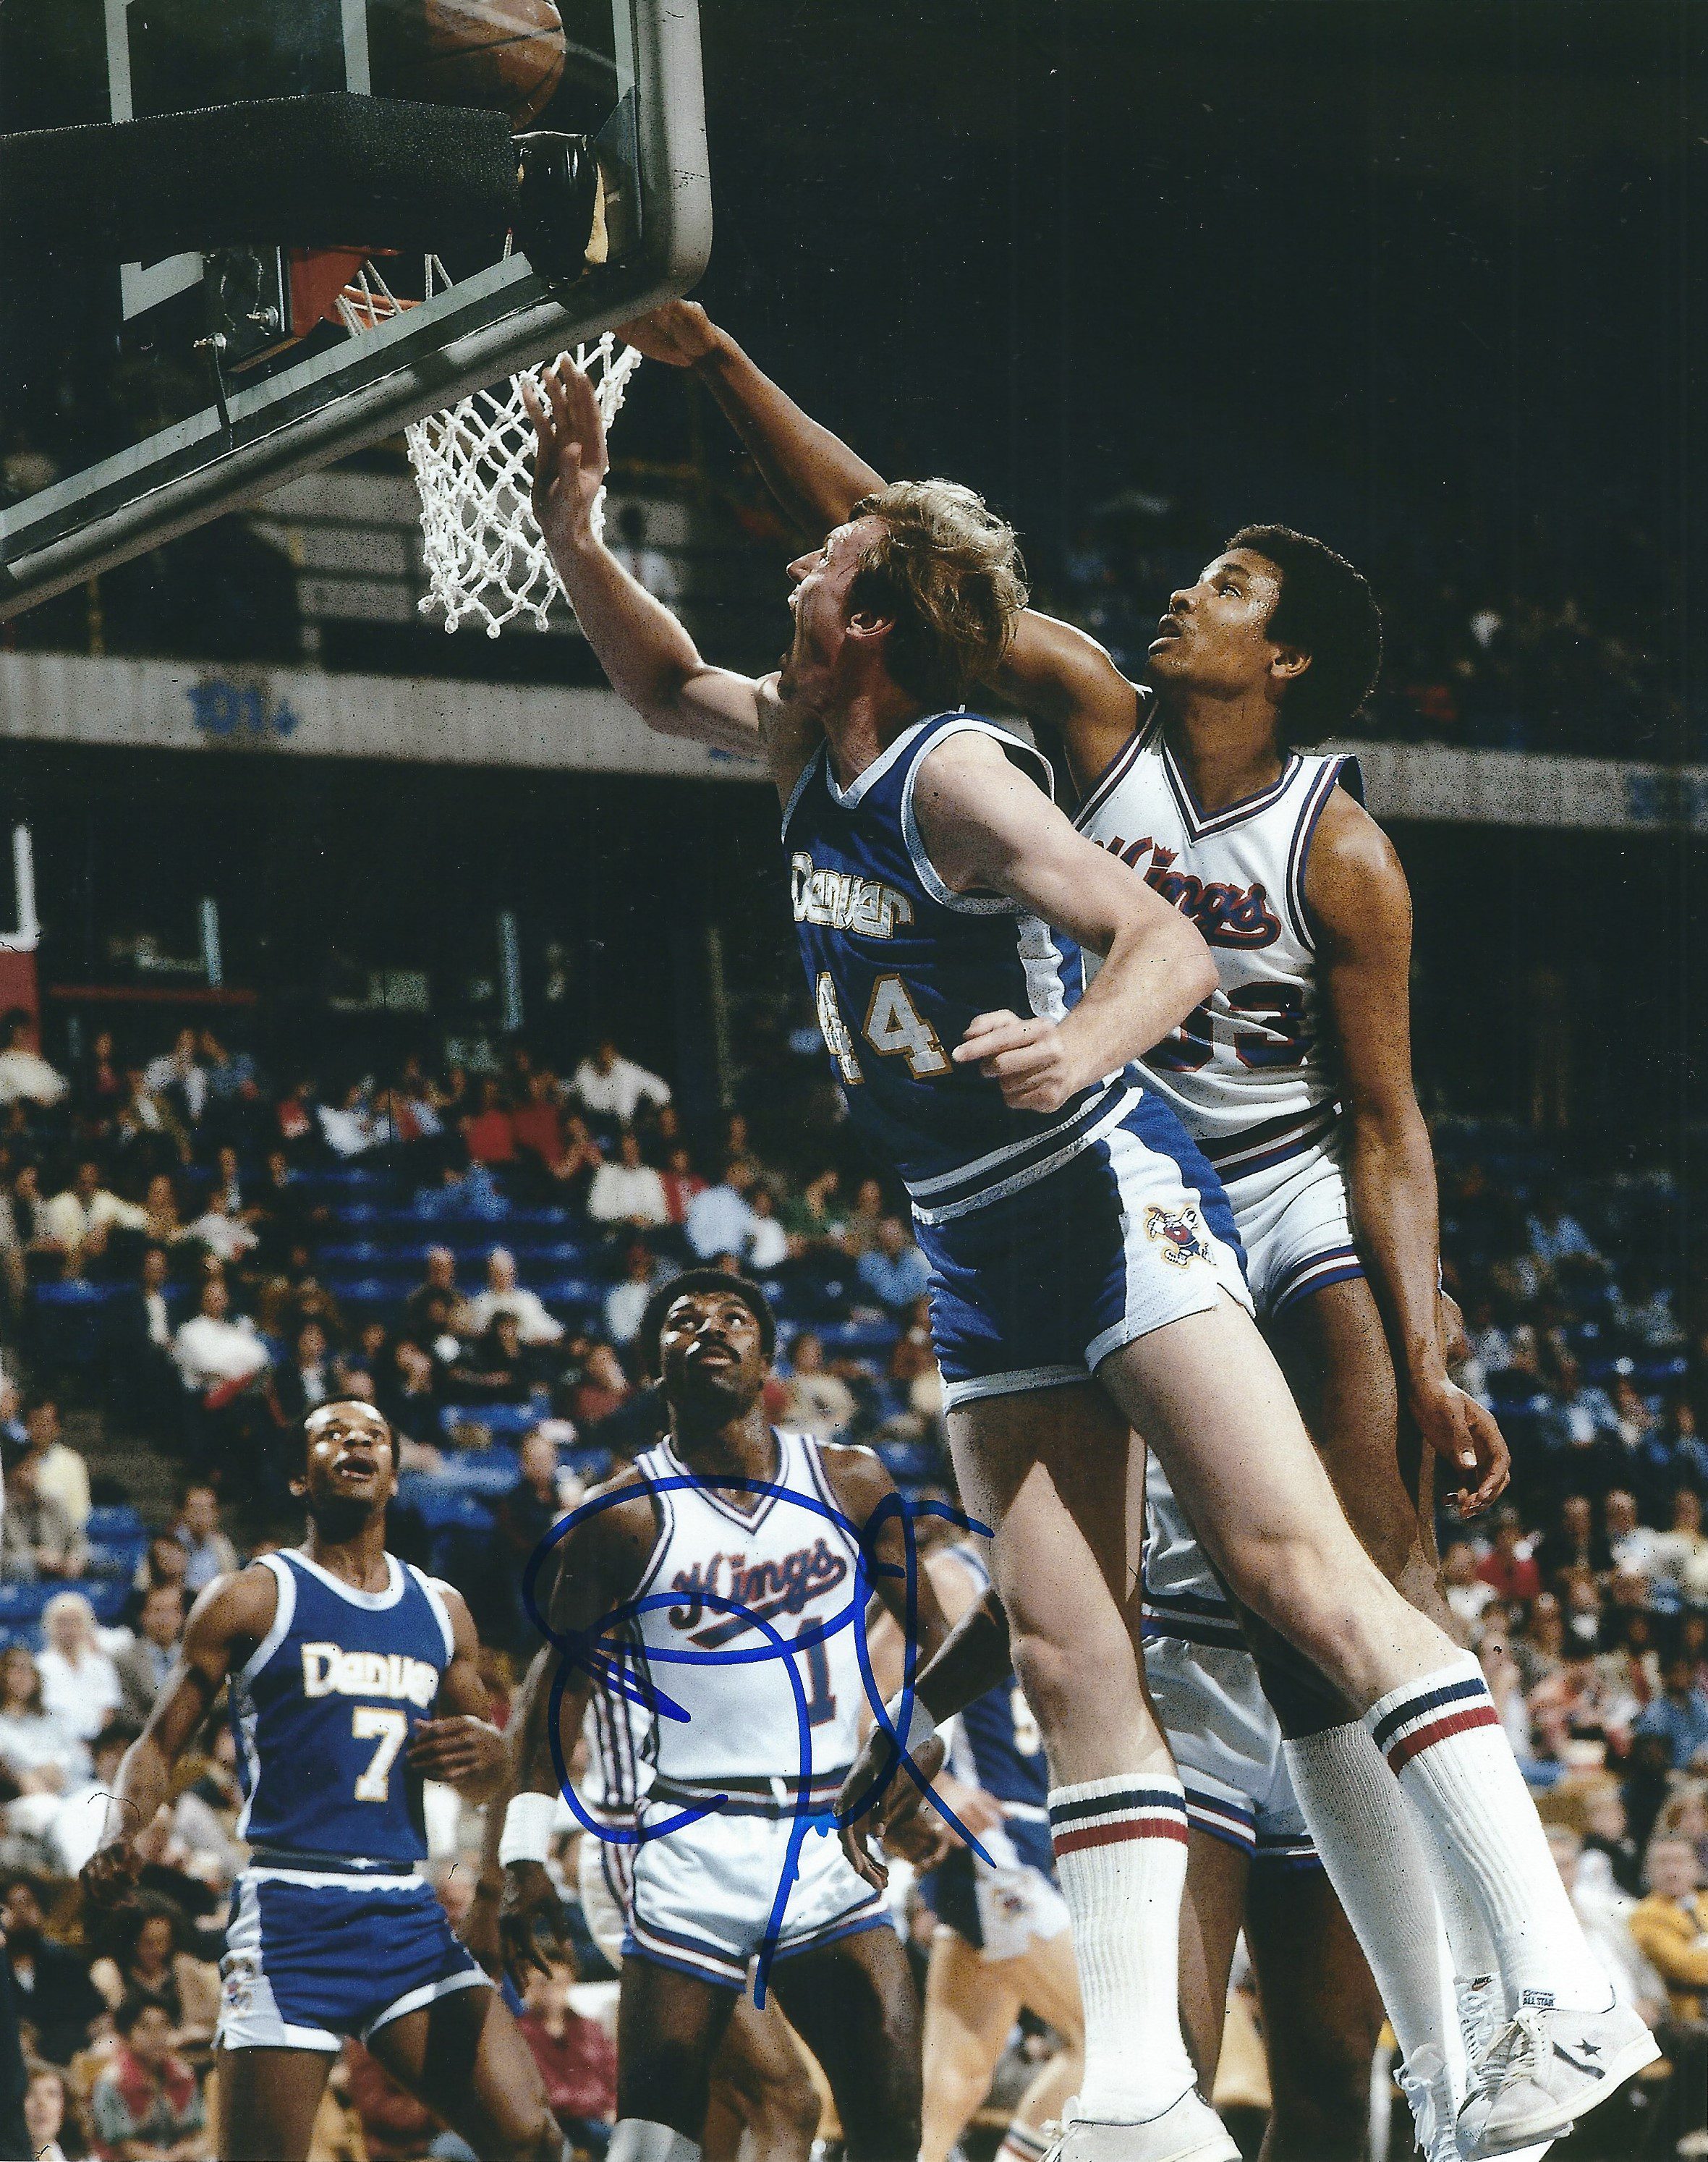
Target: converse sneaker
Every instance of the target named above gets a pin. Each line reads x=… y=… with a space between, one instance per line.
x=1188 y=2131
x=1544 y=2069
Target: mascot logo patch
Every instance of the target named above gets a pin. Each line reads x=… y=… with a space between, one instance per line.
x=1180 y=1235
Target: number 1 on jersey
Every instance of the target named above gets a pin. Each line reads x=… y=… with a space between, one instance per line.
x=372 y=1722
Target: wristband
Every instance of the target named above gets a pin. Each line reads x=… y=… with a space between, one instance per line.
x=527 y=1833
x=921 y=1726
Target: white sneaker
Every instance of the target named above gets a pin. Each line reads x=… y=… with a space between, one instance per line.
x=1427 y=2085
x=1545 y=2070
x=1482 y=2016
x=1187 y=2131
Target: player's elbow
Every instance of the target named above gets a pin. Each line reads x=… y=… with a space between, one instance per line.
x=1179 y=947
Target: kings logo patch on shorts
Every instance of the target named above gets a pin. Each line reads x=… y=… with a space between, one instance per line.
x=1181 y=1235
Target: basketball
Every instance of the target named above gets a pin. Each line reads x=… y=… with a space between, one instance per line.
x=508 y=54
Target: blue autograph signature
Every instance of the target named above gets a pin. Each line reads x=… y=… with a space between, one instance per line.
x=600 y=1654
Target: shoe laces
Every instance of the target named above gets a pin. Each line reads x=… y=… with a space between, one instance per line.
x=1425 y=2085
x=1480 y=2022
x=1521 y=2049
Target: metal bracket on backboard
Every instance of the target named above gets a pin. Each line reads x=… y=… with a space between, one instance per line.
x=485 y=328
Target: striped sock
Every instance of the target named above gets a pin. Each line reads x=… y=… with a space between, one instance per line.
x=1023 y=2143
x=1443 y=1740
x=1121 y=1854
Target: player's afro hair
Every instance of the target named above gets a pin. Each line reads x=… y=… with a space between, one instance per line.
x=666 y=1297
x=1327 y=610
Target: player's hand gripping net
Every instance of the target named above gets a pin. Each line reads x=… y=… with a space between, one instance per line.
x=486 y=559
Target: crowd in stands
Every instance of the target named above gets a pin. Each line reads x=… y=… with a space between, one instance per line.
x=199 y=1252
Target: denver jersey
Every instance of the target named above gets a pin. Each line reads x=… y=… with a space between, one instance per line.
x=1246 y=1070
x=323 y=1711
x=898 y=965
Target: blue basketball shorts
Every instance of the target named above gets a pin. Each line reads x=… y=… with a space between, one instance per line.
x=311 y=1958
x=1035 y=1281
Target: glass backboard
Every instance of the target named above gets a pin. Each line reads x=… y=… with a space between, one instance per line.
x=119 y=427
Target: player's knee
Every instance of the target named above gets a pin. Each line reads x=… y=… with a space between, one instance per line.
x=668 y=2083
x=1051 y=1665
x=1289 y=1584
x=888 y=2126
x=780 y=2111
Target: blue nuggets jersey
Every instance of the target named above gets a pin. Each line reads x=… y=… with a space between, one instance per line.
x=997 y=1745
x=898 y=965
x=324 y=1709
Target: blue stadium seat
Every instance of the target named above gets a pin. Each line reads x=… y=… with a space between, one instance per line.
x=22 y=1603
x=496 y=1418
x=116 y=1520
x=857 y=1337
x=488 y=1471
x=71 y=1319
x=441 y=1507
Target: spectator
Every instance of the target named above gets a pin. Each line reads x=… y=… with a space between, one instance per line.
x=1607 y=1832
x=718 y=1218
x=1632 y=1546
x=353 y=1126
x=145 y=1666
x=1679 y=1717
x=504 y=1295
x=216 y=1355
x=74 y=1832
x=60 y=1473
x=1540 y=1644
x=1467 y=1595
x=861 y=1231
x=79 y=1683
x=1575 y=1545
x=609 y=1087
x=439 y=1283
x=1681 y=1551
x=233 y=1086
x=25 y=1076
x=536 y=1124
x=208 y=1551
x=81 y=1218
x=55 y=1995
x=177 y=1078
x=221 y=1229
x=1605 y=1914
x=628 y=1192
x=38 y=1749
x=816 y=1401
x=143 y=1365
x=811 y=1217
x=45 y=2112
x=581 y=1158
x=490 y=1136
x=146 y=1128
x=149 y=1962
x=767 y=1242
x=681 y=1182
x=1670 y=1926
x=165 y=1227
x=41 y=1254
x=37 y=1538
x=307 y=1380
x=894 y=1272
x=146 y=2104
x=577 y=2060
x=625 y=1303
x=497 y=1368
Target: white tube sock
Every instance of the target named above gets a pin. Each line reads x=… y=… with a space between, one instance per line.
x=1377 y=1863
x=1442 y=1737
x=1121 y=1854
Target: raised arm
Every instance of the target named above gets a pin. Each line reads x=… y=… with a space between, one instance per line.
x=228 y=1621
x=1356 y=892
x=647 y=653
x=987 y=827
x=1051 y=671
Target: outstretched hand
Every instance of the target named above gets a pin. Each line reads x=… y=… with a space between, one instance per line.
x=680 y=334
x=570 y=459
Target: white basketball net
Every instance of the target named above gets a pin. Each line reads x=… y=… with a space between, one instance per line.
x=486 y=559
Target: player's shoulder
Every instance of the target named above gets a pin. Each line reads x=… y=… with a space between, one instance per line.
x=1349 y=846
x=240 y=1605
x=854 y=1474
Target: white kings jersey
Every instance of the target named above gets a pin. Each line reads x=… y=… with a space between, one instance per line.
x=1246 y=1070
x=725 y=1562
